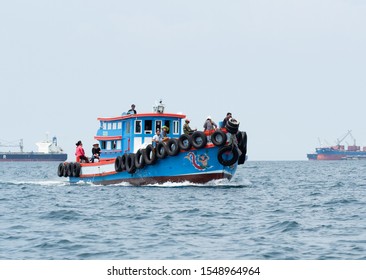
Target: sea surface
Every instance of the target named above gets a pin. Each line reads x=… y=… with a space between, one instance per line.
x=271 y=210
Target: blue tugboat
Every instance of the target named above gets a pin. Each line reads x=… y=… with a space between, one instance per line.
x=129 y=155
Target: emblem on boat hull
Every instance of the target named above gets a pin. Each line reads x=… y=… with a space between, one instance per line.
x=200 y=162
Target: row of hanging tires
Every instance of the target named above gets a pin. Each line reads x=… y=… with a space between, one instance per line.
x=130 y=162
x=149 y=155
x=69 y=169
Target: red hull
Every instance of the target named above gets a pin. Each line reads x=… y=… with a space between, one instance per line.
x=329 y=157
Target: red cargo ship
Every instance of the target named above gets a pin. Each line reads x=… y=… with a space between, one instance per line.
x=339 y=152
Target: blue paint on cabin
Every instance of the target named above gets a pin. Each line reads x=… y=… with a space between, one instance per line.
x=128 y=133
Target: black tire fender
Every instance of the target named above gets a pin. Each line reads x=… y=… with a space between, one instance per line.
x=139 y=159
x=161 y=150
x=123 y=161
x=60 y=169
x=76 y=169
x=232 y=126
x=130 y=163
x=185 y=142
x=225 y=150
x=70 y=169
x=117 y=164
x=172 y=147
x=219 y=138
x=242 y=144
x=149 y=155
x=66 y=169
x=199 y=139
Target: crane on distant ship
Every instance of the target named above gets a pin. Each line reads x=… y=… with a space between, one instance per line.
x=10 y=144
x=353 y=138
x=339 y=141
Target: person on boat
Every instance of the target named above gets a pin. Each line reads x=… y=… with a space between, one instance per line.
x=228 y=116
x=157 y=138
x=209 y=124
x=187 y=129
x=209 y=127
x=132 y=110
x=164 y=133
x=80 y=153
x=95 y=152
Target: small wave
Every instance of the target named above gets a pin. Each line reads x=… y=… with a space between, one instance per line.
x=63 y=215
x=285 y=226
x=20 y=227
x=36 y=183
x=341 y=201
x=338 y=184
x=214 y=183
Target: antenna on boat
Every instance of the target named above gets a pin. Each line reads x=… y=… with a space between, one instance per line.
x=159 y=107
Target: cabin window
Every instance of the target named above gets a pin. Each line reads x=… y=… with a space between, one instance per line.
x=103 y=145
x=104 y=124
x=114 y=144
x=128 y=127
x=148 y=127
x=138 y=127
x=167 y=124
x=109 y=126
x=157 y=125
x=114 y=125
x=175 y=127
x=119 y=125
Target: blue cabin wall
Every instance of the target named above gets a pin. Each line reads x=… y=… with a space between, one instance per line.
x=119 y=136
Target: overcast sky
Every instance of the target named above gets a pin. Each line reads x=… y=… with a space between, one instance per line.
x=289 y=71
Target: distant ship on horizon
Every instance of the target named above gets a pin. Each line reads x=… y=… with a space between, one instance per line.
x=47 y=151
x=339 y=152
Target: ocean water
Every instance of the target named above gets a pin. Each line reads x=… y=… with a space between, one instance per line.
x=270 y=211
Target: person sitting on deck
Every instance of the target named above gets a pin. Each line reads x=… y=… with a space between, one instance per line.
x=164 y=133
x=156 y=138
x=132 y=110
x=187 y=129
x=95 y=152
x=80 y=153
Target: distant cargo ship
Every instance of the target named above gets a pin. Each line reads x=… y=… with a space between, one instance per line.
x=47 y=151
x=339 y=152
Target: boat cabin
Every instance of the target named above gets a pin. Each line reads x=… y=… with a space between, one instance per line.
x=129 y=132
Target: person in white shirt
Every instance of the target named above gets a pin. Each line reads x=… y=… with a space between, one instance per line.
x=157 y=138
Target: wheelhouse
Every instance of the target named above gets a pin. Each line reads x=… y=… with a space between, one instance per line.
x=128 y=133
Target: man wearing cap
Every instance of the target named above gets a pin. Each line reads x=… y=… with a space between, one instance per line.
x=95 y=152
x=187 y=129
x=164 y=133
x=132 y=110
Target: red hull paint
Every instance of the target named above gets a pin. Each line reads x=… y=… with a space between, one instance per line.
x=329 y=157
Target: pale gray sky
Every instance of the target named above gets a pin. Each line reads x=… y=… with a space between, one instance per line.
x=289 y=71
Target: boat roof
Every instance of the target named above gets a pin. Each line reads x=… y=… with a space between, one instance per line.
x=143 y=115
